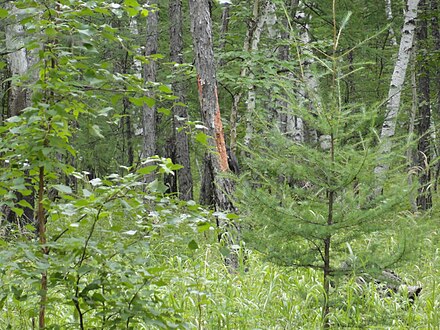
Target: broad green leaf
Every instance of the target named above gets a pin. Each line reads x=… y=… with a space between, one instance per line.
x=18 y=211
x=147 y=169
x=193 y=245
x=62 y=188
x=202 y=138
x=3 y=13
x=25 y=203
x=165 y=89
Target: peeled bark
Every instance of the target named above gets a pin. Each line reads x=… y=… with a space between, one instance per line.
x=216 y=159
x=395 y=90
x=150 y=72
x=180 y=112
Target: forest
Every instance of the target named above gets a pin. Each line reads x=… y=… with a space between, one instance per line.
x=219 y=164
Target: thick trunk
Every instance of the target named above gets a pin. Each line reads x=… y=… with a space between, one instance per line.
x=216 y=160
x=424 y=198
x=395 y=90
x=180 y=113
x=149 y=113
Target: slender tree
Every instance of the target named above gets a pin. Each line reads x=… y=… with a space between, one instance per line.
x=424 y=198
x=180 y=112
x=395 y=91
x=150 y=72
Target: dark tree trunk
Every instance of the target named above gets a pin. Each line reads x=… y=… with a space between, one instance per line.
x=435 y=28
x=424 y=198
x=181 y=153
x=217 y=162
x=216 y=159
x=150 y=71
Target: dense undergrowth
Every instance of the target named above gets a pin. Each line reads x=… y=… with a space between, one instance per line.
x=131 y=264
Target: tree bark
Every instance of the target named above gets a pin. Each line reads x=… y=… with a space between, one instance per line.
x=394 y=93
x=424 y=198
x=216 y=158
x=18 y=62
x=389 y=14
x=252 y=38
x=150 y=71
x=436 y=111
x=180 y=112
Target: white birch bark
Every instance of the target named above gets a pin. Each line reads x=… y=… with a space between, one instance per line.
x=17 y=60
x=389 y=14
x=397 y=80
x=251 y=99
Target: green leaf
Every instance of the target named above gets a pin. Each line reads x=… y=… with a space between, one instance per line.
x=62 y=188
x=202 y=138
x=3 y=13
x=96 y=131
x=18 y=211
x=193 y=245
x=165 y=89
x=147 y=169
x=25 y=203
x=203 y=226
x=165 y=111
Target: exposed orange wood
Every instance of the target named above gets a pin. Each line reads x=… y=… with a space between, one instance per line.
x=219 y=136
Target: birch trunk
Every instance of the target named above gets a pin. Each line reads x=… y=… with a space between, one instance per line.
x=389 y=14
x=253 y=36
x=395 y=90
x=180 y=112
x=251 y=98
x=18 y=98
x=150 y=71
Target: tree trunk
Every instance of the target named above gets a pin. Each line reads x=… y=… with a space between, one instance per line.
x=18 y=62
x=424 y=198
x=394 y=93
x=251 y=99
x=436 y=113
x=149 y=113
x=180 y=112
x=389 y=14
x=216 y=159
x=252 y=38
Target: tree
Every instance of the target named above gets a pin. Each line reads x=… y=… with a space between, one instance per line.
x=424 y=198
x=395 y=91
x=180 y=112
x=216 y=188
x=150 y=72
